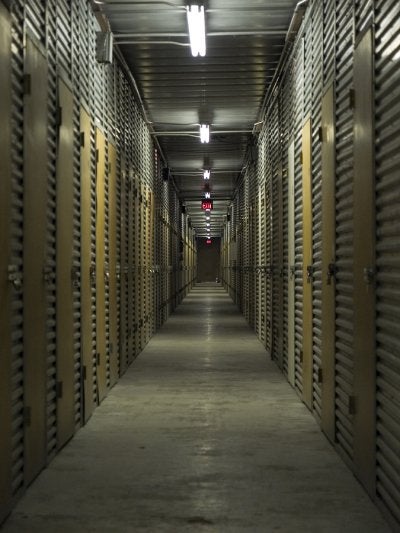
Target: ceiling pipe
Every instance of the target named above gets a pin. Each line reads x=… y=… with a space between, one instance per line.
x=291 y=34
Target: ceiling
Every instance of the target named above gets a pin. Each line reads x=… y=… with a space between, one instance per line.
x=225 y=89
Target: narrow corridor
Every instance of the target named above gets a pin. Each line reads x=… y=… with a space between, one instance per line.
x=202 y=433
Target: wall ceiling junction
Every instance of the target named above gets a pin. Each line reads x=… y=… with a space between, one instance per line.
x=225 y=89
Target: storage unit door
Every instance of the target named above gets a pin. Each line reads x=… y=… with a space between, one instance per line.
x=87 y=333
x=112 y=240
x=328 y=264
x=64 y=269
x=291 y=266
x=307 y=267
x=5 y=285
x=364 y=266
x=35 y=199
x=387 y=101
x=100 y=267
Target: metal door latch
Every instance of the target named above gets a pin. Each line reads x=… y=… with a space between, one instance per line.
x=310 y=272
x=92 y=274
x=369 y=275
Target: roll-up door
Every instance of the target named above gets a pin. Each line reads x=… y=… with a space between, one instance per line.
x=112 y=250
x=64 y=276
x=101 y=266
x=364 y=265
x=307 y=395
x=35 y=200
x=344 y=364
x=5 y=246
x=328 y=264
x=291 y=266
x=87 y=333
x=387 y=102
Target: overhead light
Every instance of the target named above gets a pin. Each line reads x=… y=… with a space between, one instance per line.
x=207 y=174
x=197 y=29
x=204 y=133
x=208 y=225
x=207 y=195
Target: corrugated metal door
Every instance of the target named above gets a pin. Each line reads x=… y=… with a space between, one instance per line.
x=35 y=200
x=101 y=369
x=307 y=266
x=64 y=276
x=364 y=265
x=387 y=164
x=112 y=239
x=328 y=263
x=5 y=246
x=344 y=229
x=87 y=330
x=292 y=267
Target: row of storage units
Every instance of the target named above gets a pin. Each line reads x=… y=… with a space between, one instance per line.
x=311 y=249
x=95 y=249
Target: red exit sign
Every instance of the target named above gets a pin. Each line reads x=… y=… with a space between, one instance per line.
x=206 y=205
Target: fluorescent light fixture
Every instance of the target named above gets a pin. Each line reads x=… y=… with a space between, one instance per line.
x=207 y=174
x=208 y=224
x=204 y=133
x=197 y=29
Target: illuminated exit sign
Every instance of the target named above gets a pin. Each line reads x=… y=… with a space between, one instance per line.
x=206 y=205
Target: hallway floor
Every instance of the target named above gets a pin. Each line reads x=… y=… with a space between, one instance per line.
x=201 y=434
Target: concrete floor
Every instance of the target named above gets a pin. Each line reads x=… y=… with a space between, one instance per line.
x=202 y=434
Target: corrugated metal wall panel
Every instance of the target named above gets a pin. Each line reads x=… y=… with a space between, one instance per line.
x=16 y=252
x=344 y=228
x=5 y=285
x=298 y=121
x=317 y=77
x=387 y=83
x=51 y=411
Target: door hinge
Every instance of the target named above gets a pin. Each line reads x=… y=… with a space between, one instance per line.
x=321 y=134
x=27 y=416
x=310 y=273
x=82 y=139
x=320 y=375
x=84 y=372
x=352 y=98
x=97 y=155
x=59 y=389
x=98 y=358
x=27 y=84
x=59 y=116
x=301 y=356
x=351 y=406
